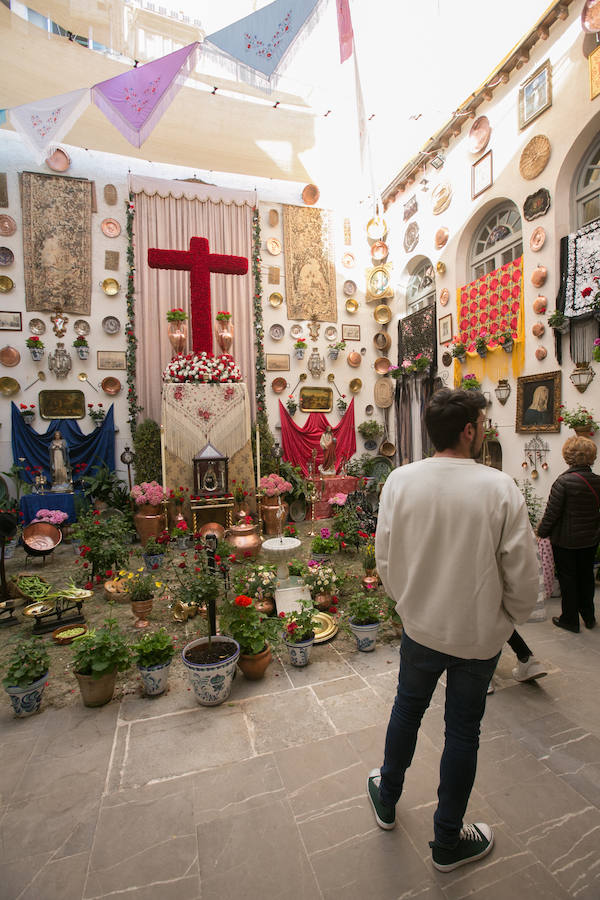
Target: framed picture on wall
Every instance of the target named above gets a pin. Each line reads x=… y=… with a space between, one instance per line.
x=278 y=362
x=482 y=176
x=316 y=399
x=10 y=321
x=445 y=328
x=594 y=69
x=535 y=94
x=350 y=332
x=111 y=359
x=538 y=403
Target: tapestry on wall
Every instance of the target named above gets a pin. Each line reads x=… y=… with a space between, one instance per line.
x=580 y=262
x=57 y=242
x=309 y=268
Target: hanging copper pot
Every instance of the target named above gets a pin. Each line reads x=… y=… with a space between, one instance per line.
x=538 y=276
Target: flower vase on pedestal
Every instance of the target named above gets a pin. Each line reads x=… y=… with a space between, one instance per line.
x=177 y=332
x=224 y=335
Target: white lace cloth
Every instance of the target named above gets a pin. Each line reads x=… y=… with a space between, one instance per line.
x=583 y=262
x=195 y=414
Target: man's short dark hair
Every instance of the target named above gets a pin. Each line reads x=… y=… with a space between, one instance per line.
x=447 y=414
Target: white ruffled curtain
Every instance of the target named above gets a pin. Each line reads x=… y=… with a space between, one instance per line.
x=167 y=215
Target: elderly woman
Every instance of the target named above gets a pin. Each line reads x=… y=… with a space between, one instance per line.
x=572 y=522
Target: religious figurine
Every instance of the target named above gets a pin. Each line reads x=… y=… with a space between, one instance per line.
x=328 y=444
x=60 y=362
x=60 y=466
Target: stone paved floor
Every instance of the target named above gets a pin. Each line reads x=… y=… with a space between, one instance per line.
x=264 y=797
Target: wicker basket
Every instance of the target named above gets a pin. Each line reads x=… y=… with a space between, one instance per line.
x=18 y=592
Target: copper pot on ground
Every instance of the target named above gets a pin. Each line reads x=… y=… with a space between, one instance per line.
x=245 y=539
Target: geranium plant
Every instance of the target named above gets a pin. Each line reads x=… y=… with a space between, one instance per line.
x=27 y=410
x=103 y=544
x=481 y=344
x=101 y=650
x=341 y=345
x=274 y=485
x=155 y=648
x=27 y=663
x=147 y=492
x=34 y=343
x=223 y=316
x=298 y=625
x=157 y=546
x=195 y=368
x=300 y=344
x=178 y=494
x=239 y=491
x=325 y=543
x=176 y=315
x=321 y=579
x=365 y=608
x=458 y=348
x=504 y=337
x=240 y=619
x=291 y=405
x=342 y=404
x=578 y=418
x=470 y=383
x=195 y=584
x=96 y=413
x=80 y=341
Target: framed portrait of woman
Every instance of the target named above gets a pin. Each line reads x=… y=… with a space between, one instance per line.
x=538 y=403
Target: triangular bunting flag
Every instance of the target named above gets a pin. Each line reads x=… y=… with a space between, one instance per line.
x=136 y=101
x=43 y=123
x=345 y=29
x=261 y=40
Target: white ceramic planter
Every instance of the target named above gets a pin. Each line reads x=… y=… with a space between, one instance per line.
x=300 y=652
x=155 y=678
x=211 y=682
x=366 y=636
x=27 y=700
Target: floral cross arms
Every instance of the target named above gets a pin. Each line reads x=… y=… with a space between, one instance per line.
x=202 y=368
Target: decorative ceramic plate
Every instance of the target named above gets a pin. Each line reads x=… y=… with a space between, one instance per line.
x=330 y=333
x=8 y=225
x=444 y=296
x=311 y=194
x=6 y=284
x=110 y=286
x=382 y=314
x=369 y=409
x=479 y=134
x=111 y=228
x=296 y=331
x=538 y=238
x=349 y=288
x=441 y=196
x=110 y=195
x=37 y=326
x=376 y=229
x=534 y=157
x=537 y=204
x=110 y=385
x=324 y=626
x=274 y=246
x=355 y=385
x=380 y=466
x=371 y=445
x=348 y=260
x=80 y=327
x=7 y=257
x=590 y=16
x=278 y=385
x=111 y=324
x=275 y=299
x=351 y=305
x=9 y=386
x=411 y=237
x=10 y=356
x=59 y=161
x=379 y=252
x=441 y=238
x=276 y=331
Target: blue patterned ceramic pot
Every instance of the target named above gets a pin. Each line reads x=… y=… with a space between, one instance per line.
x=155 y=678
x=153 y=561
x=300 y=652
x=26 y=700
x=366 y=636
x=211 y=681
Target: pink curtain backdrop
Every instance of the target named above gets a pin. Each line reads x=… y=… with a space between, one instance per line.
x=298 y=443
x=167 y=215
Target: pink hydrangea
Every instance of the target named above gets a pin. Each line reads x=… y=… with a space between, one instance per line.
x=53 y=516
x=273 y=485
x=147 y=492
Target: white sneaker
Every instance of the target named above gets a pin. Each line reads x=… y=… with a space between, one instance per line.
x=528 y=671
x=490 y=687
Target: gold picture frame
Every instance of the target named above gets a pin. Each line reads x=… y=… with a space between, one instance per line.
x=277 y=362
x=61 y=405
x=594 y=70
x=111 y=359
x=316 y=399
x=538 y=403
x=535 y=94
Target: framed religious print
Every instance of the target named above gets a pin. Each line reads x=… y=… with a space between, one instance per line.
x=538 y=403
x=535 y=94
x=278 y=362
x=111 y=359
x=350 y=332
x=445 y=328
x=482 y=176
x=10 y=321
x=316 y=399
x=594 y=69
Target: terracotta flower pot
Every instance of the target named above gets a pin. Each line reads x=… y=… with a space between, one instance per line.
x=97 y=691
x=149 y=522
x=177 y=332
x=254 y=665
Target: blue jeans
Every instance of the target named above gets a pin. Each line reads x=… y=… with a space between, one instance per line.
x=466 y=686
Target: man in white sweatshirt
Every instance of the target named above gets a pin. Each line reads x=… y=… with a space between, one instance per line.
x=456 y=553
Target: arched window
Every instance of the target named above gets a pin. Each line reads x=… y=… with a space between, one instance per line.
x=498 y=240
x=420 y=291
x=587 y=186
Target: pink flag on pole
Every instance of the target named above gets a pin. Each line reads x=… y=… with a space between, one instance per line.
x=136 y=101
x=345 y=29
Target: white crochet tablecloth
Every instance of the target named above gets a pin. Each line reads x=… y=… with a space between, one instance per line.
x=194 y=414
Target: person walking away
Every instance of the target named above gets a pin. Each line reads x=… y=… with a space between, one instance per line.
x=572 y=522
x=456 y=552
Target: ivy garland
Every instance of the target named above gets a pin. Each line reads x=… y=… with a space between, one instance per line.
x=131 y=352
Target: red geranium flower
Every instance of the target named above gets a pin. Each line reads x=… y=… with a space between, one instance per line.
x=243 y=600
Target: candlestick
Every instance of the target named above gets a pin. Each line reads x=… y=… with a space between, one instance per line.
x=163 y=457
x=257 y=457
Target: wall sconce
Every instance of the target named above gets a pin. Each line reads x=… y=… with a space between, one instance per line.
x=582 y=376
x=502 y=391
x=438 y=160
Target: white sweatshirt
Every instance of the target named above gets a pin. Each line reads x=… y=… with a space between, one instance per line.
x=457 y=554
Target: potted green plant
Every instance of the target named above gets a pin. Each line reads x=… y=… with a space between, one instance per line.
x=81 y=345
x=25 y=676
x=156 y=550
x=36 y=347
x=291 y=405
x=364 y=614
x=334 y=349
x=341 y=404
x=102 y=485
x=458 y=349
x=97 y=657
x=559 y=322
x=470 y=383
x=324 y=545
x=370 y=429
x=103 y=543
x=97 y=414
x=252 y=630
x=481 y=345
x=580 y=420
x=27 y=412
x=298 y=633
x=195 y=586
x=153 y=654
x=369 y=562
x=176 y=315
x=322 y=581
x=141 y=590
x=300 y=348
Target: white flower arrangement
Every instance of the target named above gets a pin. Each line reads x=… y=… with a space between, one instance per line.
x=203 y=369
x=321 y=579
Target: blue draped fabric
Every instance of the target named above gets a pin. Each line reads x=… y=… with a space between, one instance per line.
x=30 y=504
x=85 y=450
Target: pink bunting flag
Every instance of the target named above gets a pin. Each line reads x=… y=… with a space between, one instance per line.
x=136 y=101
x=345 y=29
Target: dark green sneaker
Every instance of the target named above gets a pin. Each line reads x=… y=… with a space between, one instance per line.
x=385 y=816
x=475 y=841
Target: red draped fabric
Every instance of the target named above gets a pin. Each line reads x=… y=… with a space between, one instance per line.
x=299 y=443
